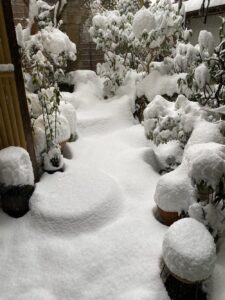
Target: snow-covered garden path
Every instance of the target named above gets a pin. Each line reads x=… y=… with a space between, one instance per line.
x=119 y=258
x=47 y=255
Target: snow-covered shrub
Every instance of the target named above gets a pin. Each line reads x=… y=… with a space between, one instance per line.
x=157 y=83
x=45 y=50
x=206 y=164
x=132 y=37
x=67 y=110
x=206 y=168
x=206 y=132
x=212 y=215
x=204 y=64
x=165 y=120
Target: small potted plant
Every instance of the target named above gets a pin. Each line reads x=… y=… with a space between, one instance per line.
x=206 y=168
x=53 y=160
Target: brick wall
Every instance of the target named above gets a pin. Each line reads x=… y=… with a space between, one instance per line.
x=75 y=19
x=20 y=11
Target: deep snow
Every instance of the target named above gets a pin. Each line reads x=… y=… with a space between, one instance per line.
x=116 y=259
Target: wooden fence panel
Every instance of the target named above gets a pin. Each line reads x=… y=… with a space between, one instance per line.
x=15 y=127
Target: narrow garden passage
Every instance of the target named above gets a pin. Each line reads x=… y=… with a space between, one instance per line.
x=53 y=256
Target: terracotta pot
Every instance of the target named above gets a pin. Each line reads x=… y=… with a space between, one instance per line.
x=34 y=28
x=167 y=217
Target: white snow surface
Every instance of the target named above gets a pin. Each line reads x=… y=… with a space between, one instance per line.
x=16 y=167
x=90 y=198
x=189 y=250
x=119 y=258
x=144 y=21
x=192 y=5
x=206 y=132
x=157 y=84
x=69 y=112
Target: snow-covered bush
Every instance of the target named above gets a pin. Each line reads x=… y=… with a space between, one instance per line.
x=165 y=120
x=204 y=64
x=45 y=50
x=131 y=37
x=206 y=163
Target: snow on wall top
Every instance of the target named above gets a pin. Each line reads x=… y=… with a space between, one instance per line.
x=192 y=5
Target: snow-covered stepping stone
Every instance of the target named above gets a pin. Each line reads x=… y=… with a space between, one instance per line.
x=77 y=200
x=189 y=250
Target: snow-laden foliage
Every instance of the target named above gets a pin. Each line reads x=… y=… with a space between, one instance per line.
x=165 y=120
x=204 y=65
x=132 y=36
x=206 y=164
x=45 y=51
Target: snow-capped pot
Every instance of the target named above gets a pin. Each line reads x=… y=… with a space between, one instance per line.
x=16 y=180
x=53 y=160
x=189 y=251
x=174 y=194
x=206 y=167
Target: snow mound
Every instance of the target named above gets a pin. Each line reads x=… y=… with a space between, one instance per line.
x=16 y=167
x=202 y=76
x=189 y=250
x=174 y=191
x=206 y=132
x=206 y=42
x=169 y=154
x=57 y=42
x=206 y=163
x=63 y=131
x=68 y=111
x=88 y=88
x=106 y=116
x=144 y=20
x=138 y=294
x=77 y=200
x=157 y=84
